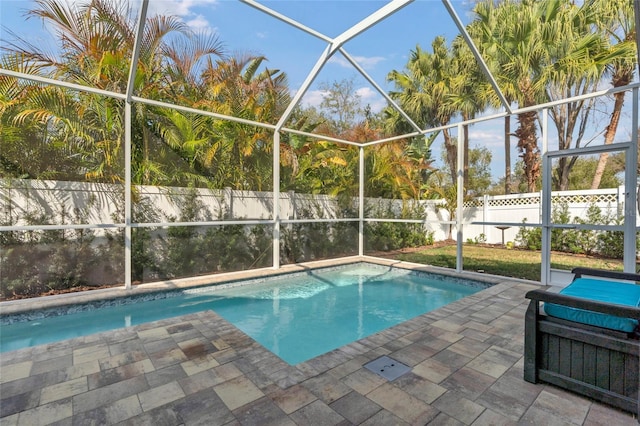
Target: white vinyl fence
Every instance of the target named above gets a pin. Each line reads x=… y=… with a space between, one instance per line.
x=38 y=202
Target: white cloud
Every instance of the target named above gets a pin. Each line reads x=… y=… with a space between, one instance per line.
x=262 y=34
x=185 y=10
x=486 y=139
x=313 y=98
x=372 y=98
x=199 y=24
x=364 y=61
x=366 y=93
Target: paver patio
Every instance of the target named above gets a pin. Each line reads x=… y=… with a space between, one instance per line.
x=466 y=369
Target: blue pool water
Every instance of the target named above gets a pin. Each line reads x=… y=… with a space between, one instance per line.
x=297 y=316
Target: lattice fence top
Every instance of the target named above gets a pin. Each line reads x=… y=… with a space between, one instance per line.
x=574 y=198
x=586 y=198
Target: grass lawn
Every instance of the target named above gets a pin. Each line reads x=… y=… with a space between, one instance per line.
x=501 y=261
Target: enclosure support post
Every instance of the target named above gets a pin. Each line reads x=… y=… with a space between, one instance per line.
x=128 y=214
x=127 y=195
x=276 y=199
x=545 y=200
x=361 y=204
x=631 y=190
x=485 y=215
x=460 y=197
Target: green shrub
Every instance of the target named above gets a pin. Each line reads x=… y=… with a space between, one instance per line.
x=586 y=239
x=565 y=240
x=529 y=238
x=385 y=236
x=480 y=239
x=34 y=262
x=609 y=244
x=302 y=242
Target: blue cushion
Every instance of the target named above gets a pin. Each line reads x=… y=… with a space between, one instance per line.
x=599 y=290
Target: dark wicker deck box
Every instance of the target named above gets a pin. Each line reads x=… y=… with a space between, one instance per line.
x=593 y=361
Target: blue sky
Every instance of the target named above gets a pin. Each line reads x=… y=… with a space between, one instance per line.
x=243 y=29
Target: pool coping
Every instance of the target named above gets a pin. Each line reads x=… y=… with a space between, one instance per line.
x=23 y=306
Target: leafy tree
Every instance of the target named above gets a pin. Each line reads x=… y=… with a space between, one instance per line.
x=519 y=178
x=585 y=167
x=479 y=171
x=342 y=104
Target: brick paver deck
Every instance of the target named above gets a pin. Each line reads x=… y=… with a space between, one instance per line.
x=465 y=358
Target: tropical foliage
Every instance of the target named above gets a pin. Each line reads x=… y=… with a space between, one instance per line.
x=537 y=50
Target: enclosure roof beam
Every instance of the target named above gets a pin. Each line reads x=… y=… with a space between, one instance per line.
x=202 y=112
x=371 y=20
x=60 y=83
x=334 y=45
x=394 y=138
x=137 y=43
x=476 y=54
x=379 y=89
x=326 y=54
x=320 y=136
x=538 y=107
x=286 y=20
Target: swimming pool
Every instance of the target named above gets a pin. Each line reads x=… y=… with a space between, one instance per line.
x=297 y=316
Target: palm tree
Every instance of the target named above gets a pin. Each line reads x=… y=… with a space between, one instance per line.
x=238 y=87
x=520 y=36
x=424 y=89
x=577 y=60
x=32 y=121
x=485 y=30
x=615 y=19
x=546 y=50
x=328 y=168
x=96 y=41
x=470 y=92
x=399 y=170
x=523 y=50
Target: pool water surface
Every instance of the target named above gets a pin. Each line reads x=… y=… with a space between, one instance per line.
x=297 y=316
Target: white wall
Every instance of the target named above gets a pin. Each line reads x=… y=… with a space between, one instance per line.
x=104 y=204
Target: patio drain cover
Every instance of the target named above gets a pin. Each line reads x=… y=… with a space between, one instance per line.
x=387 y=367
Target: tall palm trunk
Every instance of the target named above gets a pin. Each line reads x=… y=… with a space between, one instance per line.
x=610 y=134
x=528 y=146
x=451 y=150
x=528 y=138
